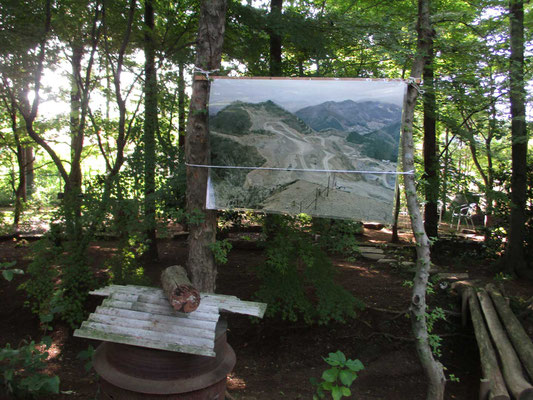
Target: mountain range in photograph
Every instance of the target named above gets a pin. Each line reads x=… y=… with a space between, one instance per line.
x=333 y=136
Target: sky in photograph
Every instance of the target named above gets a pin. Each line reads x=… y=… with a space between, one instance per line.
x=295 y=94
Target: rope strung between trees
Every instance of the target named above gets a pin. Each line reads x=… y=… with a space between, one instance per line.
x=343 y=171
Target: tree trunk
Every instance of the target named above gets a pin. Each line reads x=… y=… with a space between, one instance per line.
x=515 y=256
x=270 y=223
x=444 y=192
x=431 y=161
x=200 y=261
x=395 y=238
x=150 y=128
x=275 y=37
x=181 y=106
x=20 y=191
x=432 y=368
x=28 y=170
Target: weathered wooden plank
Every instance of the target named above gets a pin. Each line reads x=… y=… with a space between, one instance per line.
x=157 y=309
x=154 y=325
x=141 y=334
x=223 y=302
x=141 y=342
x=133 y=289
x=185 y=322
x=234 y=304
x=156 y=298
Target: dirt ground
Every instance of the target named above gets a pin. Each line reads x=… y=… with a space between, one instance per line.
x=276 y=359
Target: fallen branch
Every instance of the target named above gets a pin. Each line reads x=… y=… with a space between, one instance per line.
x=511 y=367
x=521 y=341
x=183 y=297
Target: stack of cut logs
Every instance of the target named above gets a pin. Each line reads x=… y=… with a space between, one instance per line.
x=181 y=294
x=506 y=351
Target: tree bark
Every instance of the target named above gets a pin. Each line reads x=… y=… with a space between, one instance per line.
x=30 y=174
x=181 y=106
x=431 y=161
x=183 y=297
x=489 y=362
x=515 y=258
x=395 y=237
x=512 y=369
x=200 y=261
x=432 y=368
x=275 y=37
x=150 y=128
x=444 y=191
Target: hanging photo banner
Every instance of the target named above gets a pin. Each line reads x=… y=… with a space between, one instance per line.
x=324 y=147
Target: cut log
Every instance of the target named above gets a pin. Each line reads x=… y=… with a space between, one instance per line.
x=512 y=369
x=492 y=383
x=181 y=294
x=521 y=341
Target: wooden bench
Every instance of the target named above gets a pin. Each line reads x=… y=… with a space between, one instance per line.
x=506 y=351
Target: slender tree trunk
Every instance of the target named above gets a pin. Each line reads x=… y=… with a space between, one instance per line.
x=515 y=256
x=432 y=368
x=431 y=162
x=395 y=238
x=29 y=173
x=20 y=191
x=200 y=261
x=444 y=192
x=72 y=199
x=270 y=224
x=181 y=106
x=275 y=37
x=150 y=127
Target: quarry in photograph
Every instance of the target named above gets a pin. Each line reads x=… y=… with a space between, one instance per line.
x=345 y=135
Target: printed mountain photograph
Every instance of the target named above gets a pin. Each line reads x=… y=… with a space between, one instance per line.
x=313 y=134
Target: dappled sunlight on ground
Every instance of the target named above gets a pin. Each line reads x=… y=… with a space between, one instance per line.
x=363 y=270
x=235 y=383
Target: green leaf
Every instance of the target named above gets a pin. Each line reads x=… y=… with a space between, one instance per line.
x=355 y=365
x=336 y=393
x=330 y=375
x=7 y=274
x=347 y=377
x=346 y=391
x=340 y=356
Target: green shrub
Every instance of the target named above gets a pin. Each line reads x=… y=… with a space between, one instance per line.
x=338 y=378
x=21 y=371
x=298 y=277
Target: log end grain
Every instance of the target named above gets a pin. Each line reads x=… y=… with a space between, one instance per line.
x=185 y=298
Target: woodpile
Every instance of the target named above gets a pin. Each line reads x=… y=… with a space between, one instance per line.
x=506 y=351
x=181 y=294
